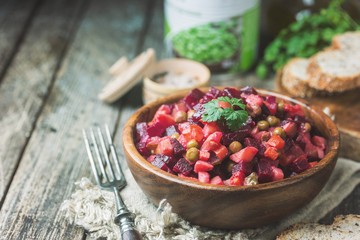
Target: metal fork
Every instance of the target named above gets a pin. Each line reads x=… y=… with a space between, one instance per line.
x=109 y=179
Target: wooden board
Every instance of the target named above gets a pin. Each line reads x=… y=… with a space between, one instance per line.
x=345 y=108
x=54 y=157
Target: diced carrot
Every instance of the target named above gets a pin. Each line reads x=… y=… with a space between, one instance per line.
x=276 y=141
x=221 y=152
x=202 y=166
x=204 y=155
x=246 y=154
x=271 y=153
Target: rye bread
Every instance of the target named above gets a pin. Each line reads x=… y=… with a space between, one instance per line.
x=295 y=78
x=334 y=70
x=343 y=227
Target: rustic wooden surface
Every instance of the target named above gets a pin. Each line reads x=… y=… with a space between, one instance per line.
x=54 y=57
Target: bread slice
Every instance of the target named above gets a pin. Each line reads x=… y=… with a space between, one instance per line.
x=348 y=41
x=295 y=78
x=343 y=227
x=334 y=70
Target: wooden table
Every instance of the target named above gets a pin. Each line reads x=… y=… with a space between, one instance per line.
x=54 y=57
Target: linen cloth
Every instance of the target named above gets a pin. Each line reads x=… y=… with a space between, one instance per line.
x=94 y=210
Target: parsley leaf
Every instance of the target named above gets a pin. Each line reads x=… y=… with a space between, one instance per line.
x=233 y=118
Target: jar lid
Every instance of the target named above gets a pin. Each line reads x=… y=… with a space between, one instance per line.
x=126 y=75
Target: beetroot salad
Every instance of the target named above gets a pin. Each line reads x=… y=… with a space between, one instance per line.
x=230 y=137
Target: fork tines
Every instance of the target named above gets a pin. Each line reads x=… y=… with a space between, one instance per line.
x=105 y=155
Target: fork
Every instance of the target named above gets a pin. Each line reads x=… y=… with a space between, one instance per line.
x=109 y=179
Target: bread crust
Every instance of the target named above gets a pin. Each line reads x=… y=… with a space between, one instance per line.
x=295 y=85
x=321 y=80
x=343 y=227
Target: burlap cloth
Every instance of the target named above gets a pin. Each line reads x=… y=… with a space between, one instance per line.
x=94 y=209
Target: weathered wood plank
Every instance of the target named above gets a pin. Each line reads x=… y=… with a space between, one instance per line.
x=55 y=156
x=15 y=16
x=28 y=79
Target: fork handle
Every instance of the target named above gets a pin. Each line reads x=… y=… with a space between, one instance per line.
x=125 y=219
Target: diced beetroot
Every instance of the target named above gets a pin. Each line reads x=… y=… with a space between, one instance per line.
x=153 y=143
x=193 y=132
x=237 y=179
x=250 y=142
x=169 y=161
x=150 y=158
x=213 y=93
x=141 y=147
x=272 y=106
x=221 y=152
x=300 y=164
x=214 y=159
x=290 y=129
x=293 y=110
x=244 y=167
x=245 y=154
x=199 y=111
x=183 y=167
x=204 y=155
x=223 y=104
x=271 y=153
x=210 y=128
x=289 y=156
x=166 y=147
x=141 y=130
x=248 y=90
x=204 y=177
x=319 y=141
x=156 y=129
x=264 y=170
x=193 y=97
x=278 y=174
x=183 y=126
x=202 y=166
x=270 y=99
x=179 y=150
x=238 y=135
x=276 y=141
x=313 y=151
x=171 y=130
x=159 y=164
x=262 y=135
x=321 y=153
x=182 y=140
x=178 y=107
x=253 y=99
x=216 y=180
x=230 y=92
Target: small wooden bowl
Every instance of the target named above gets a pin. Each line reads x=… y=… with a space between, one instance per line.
x=231 y=207
x=153 y=90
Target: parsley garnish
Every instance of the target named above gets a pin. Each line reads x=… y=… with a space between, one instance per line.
x=233 y=118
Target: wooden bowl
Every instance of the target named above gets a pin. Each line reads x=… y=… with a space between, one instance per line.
x=231 y=207
x=153 y=90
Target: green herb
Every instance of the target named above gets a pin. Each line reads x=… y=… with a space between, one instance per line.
x=233 y=118
x=209 y=43
x=306 y=37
